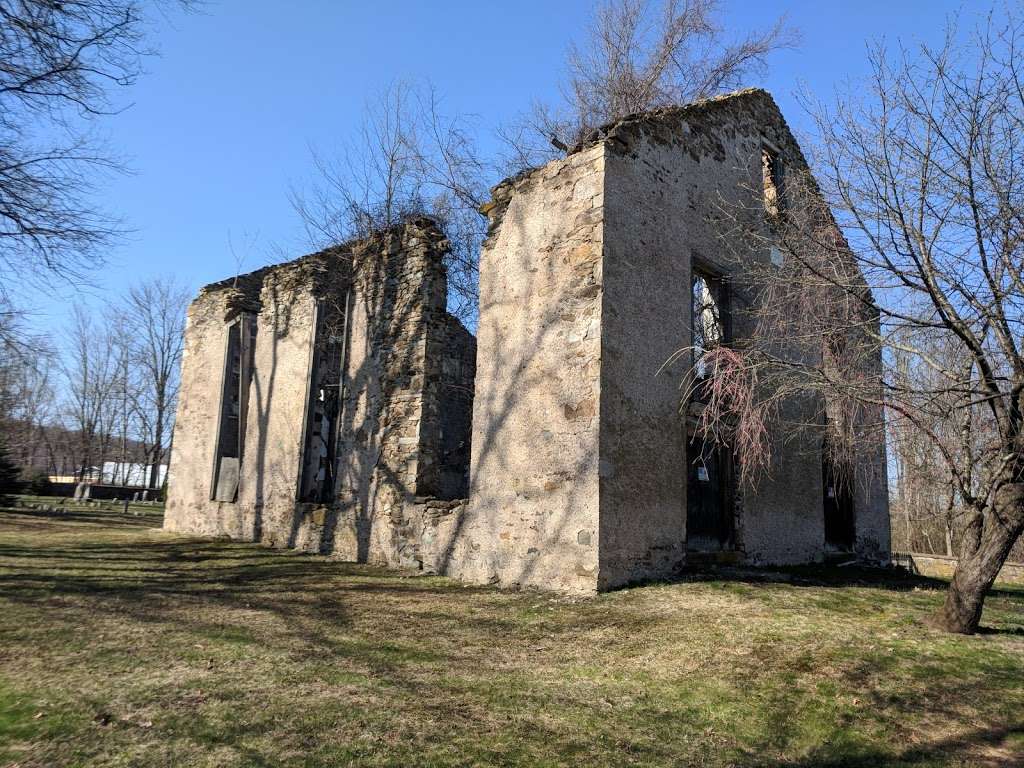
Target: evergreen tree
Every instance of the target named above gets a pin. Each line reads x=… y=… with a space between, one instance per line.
x=10 y=475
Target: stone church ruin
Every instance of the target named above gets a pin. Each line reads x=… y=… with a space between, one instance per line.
x=331 y=404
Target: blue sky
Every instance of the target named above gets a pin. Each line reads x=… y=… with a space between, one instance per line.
x=221 y=124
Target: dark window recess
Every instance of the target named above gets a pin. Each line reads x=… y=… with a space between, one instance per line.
x=709 y=483
x=316 y=483
x=709 y=499
x=772 y=174
x=234 y=404
x=837 y=493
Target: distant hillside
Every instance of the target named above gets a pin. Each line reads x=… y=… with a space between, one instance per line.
x=57 y=450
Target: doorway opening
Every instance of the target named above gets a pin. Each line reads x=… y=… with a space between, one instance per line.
x=837 y=495
x=709 y=500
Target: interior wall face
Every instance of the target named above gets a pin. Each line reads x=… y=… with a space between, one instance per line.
x=454 y=407
x=532 y=514
x=389 y=439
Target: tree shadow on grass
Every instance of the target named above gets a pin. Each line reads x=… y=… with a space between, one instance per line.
x=817 y=576
x=892 y=579
x=443 y=645
x=842 y=583
x=981 y=746
x=98 y=516
x=207 y=586
x=1018 y=631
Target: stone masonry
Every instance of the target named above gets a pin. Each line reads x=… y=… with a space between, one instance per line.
x=579 y=467
x=533 y=516
x=402 y=426
x=333 y=405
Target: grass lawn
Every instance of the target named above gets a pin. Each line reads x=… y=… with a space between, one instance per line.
x=121 y=645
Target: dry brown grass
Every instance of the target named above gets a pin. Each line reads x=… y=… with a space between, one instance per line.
x=122 y=645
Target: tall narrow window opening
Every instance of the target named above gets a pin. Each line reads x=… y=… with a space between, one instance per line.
x=234 y=403
x=709 y=495
x=707 y=319
x=772 y=175
x=323 y=411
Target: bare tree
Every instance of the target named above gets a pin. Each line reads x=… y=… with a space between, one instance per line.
x=371 y=182
x=59 y=64
x=927 y=511
x=407 y=159
x=639 y=55
x=154 y=325
x=26 y=391
x=411 y=158
x=919 y=307
x=125 y=394
x=90 y=373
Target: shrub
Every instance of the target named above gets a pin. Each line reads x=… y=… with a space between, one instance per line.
x=37 y=482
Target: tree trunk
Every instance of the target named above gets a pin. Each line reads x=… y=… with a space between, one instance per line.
x=978 y=566
x=158 y=441
x=158 y=438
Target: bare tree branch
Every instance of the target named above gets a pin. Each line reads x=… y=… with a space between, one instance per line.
x=920 y=268
x=639 y=55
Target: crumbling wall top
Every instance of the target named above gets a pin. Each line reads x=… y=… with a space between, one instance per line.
x=314 y=271
x=674 y=124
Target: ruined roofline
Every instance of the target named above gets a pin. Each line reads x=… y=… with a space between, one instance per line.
x=252 y=280
x=616 y=133
x=612 y=132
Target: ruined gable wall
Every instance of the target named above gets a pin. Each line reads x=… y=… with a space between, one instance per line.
x=189 y=505
x=532 y=515
x=663 y=178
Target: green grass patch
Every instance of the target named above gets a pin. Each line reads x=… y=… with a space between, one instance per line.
x=122 y=645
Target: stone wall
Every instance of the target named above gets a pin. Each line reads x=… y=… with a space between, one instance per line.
x=655 y=193
x=404 y=389
x=579 y=446
x=278 y=398
x=403 y=431
x=533 y=511
x=190 y=474
x=576 y=447
x=666 y=175
x=942 y=567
